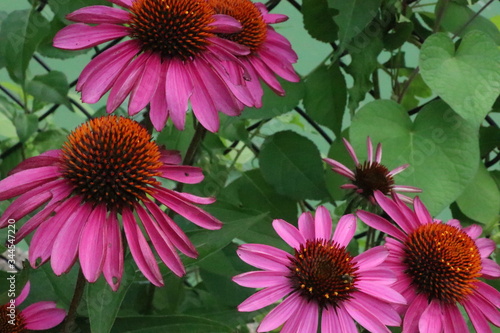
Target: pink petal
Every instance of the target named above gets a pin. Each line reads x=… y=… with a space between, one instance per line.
x=379 y=275
x=178 y=88
x=306 y=225
x=380 y=291
x=162 y=244
x=395 y=212
x=381 y=224
x=159 y=105
x=140 y=249
x=194 y=214
x=92 y=250
x=490 y=270
x=225 y=24
x=378 y=153
x=369 y=147
x=27 y=180
x=261 y=279
x=322 y=224
x=351 y=151
x=99 y=14
x=24 y=293
x=337 y=165
x=267 y=75
x=196 y=199
x=27 y=202
x=80 y=36
x=365 y=318
x=170 y=156
x=113 y=263
x=453 y=321
x=413 y=313
x=264 y=298
x=123 y=3
x=281 y=313
x=489 y=292
x=346 y=321
x=289 y=233
x=264 y=257
x=477 y=317
x=431 y=319
x=172 y=230
x=398 y=170
x=182 y=173
x=292 y=324
x=422 y=213
x=381 y=310
x=66 y=244
x=43 y=316
x=345 y=230
x=371 y=258
x=489 y=311
x=277 y=65
x=309 y=318
x=46 y=159
x=146 y=85
x=474 y=231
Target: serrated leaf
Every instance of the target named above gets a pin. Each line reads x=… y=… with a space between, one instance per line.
x=20 y=35
x=481 y=198
x=292 y=164
x=274 y=105
x=468 y=79
x=318 y=20
x=326 y=95
x=441 y=148
x=52 y=87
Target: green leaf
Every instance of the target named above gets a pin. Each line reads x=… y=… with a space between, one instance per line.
x=353 y=17
x=318 y=20
x=441 y=148
x=326 y=95
x=103 y=303
x=481 y=198
x=46 y=47
x=468 y=79
x=396 y=39
x=456 y=16
x=50 y=139
x=293 y=165
x=489 y=139
x=274 y=105
x=162 y=324
x=26 y=125
x=52 y=87
x=21 y=33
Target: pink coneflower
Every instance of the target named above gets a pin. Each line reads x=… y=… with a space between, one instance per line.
x=173 y=57
x=108 y=167
x=270 y=52
x=321 y=278
x=438 y=267
x=371 y=176
x=35 y=317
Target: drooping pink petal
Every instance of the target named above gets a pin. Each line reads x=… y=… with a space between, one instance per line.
x=379 y=275
x=161 y=243
x=196 y=199
x=264 y=298
x=431 y=319
x=323 y=223
x=306 y=225
x=474 y=231
x=365 y=318
x=381 y=224
x=123 y=3
x=477 y=317
x=49 y=158
x=92 y=249
x=192 y=213
x=281 y=313
x=289 y=233
x=489 y=311
x=182 y=173
x=490 y=269
x=261 y=279
x=178 y=88
x=413 y=313
x=453 y=321
x=371 y=258
x=27 y=180
x=380 y=291
x=43 y=316
x=489 y=293
x=383 y=311
x=113 y=263
x=158 y=112
x=422 y=213
x=267 y=75
x=80 y=36
x=140 y=249
x=292 y=324
x=309 y=322
x=27 y=202
x=264 y=257
x=392 y=209
x=99 y=14
x=225 y=24
x=170 y=156
x=172 y=230
x=345 y=230
x=347 y=324
x=282 y=69
x=24 y=293
x=65 y=248
x=146 y=85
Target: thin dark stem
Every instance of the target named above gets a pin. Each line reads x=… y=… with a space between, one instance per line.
x=420 y=107
x=49 y=112
x=11 y=96
x=490 y=121
x=41 y=62
x=406 y=85
x=198 y=137
x=296 y=5
x=493 y=161
x=472 y=18
x=271 y=4
x=77 y=297
x=79 y=107
x=314 y=124
x=42 y=5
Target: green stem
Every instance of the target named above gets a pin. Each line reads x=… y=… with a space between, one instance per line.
x=77 y=297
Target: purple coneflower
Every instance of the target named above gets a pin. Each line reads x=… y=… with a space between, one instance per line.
x=35 y=317
x=270 y=52
x=438 y=267
x=320 y=279
x=173 y=56
x=371 y=176
x=108 y=167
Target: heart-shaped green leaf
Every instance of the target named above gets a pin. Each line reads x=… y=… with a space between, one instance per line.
x=468 y=78
x=441 y=148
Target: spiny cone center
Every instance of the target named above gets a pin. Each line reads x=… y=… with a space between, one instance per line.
x=371 y=177
x=111 y=160
x=323 y=272
x=443 y=262
x=11 y=321
x=172 y=28
x=254 y=29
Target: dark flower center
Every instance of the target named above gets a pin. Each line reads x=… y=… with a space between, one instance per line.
x=11 y=320
x=111 y=160
x=323 y=272
x=371 y=177
x=254 y=29
x=172 y=28
x=443 y=262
